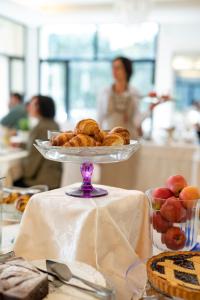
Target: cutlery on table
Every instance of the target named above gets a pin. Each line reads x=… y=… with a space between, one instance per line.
x=5 y=256
x=57 y=282
x=64 y=273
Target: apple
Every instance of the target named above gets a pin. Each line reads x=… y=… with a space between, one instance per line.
x=172 y=210
x=162 y=193
x=174 y=238
x=159 y=196
x=159 y=223
x=188 y=196
x=176 y=183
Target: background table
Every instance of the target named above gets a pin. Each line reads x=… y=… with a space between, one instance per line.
x=149 y=167
x=108 y=233
x=10 y=157
x=152 y=164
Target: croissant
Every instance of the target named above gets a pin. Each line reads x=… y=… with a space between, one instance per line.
x=81 y=140
x=11 y=198
x=123 y=132
x=22 y=202
x=113 y=140
x=88 y=127
x=105 y=133
x=99 y=137
x=62 y=138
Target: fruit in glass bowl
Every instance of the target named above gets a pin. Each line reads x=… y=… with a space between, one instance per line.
x=174 y=238
x=174 y=214
x=176 y=183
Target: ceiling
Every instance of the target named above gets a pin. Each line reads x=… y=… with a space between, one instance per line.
x=54 y=3
x=60 y=7
x=37 y=12
x=61 y=2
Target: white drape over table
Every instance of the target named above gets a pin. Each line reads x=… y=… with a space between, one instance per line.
x=108 y=233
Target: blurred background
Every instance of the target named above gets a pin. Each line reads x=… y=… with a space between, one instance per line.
x=64 y=49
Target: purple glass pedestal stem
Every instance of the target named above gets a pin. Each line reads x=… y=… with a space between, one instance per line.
x=86 y=172
x=87 y=190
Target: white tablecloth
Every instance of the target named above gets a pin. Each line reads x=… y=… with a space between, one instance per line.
x=108 y=233
x=10 y=159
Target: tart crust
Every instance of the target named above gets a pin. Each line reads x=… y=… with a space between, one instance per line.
x=169 y=284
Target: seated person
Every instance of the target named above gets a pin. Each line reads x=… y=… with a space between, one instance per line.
x=35 y=168
x=17 y=111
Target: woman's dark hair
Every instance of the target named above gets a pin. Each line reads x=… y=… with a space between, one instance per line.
x=46 y=106
x=128 y=66
x=18 y=96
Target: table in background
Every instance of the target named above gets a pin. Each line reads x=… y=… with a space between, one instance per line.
x=152 y=164
x=9 y=157
x=108 y=233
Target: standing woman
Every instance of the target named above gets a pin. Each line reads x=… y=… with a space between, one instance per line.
x=118 y=105
x=35 y=168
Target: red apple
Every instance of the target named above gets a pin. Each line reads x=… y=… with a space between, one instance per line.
x=188 y=196
x=159 y=196
x=160 y=224
x=174 y=238
x=172 y=210
x=176 y=183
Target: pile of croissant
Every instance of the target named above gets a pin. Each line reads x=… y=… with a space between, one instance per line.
x=20 y=200
x=87 y=133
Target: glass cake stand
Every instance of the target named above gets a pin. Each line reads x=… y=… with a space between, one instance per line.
x=86 y=156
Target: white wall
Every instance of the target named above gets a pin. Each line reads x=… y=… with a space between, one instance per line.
x=174 y=39
x=17 y=13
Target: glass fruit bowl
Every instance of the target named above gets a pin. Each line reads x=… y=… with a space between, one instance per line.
x=87 y=156
x=174 y=222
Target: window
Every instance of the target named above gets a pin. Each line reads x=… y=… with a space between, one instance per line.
x=136 y=41
x=4 y=85
x=12 y=76
x=54 y=84
x=67 y=41
x=17 y=75
x=187 y=80
x=86 y=82
x=84 y=53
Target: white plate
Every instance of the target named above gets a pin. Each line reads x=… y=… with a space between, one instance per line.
x=70 y=293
